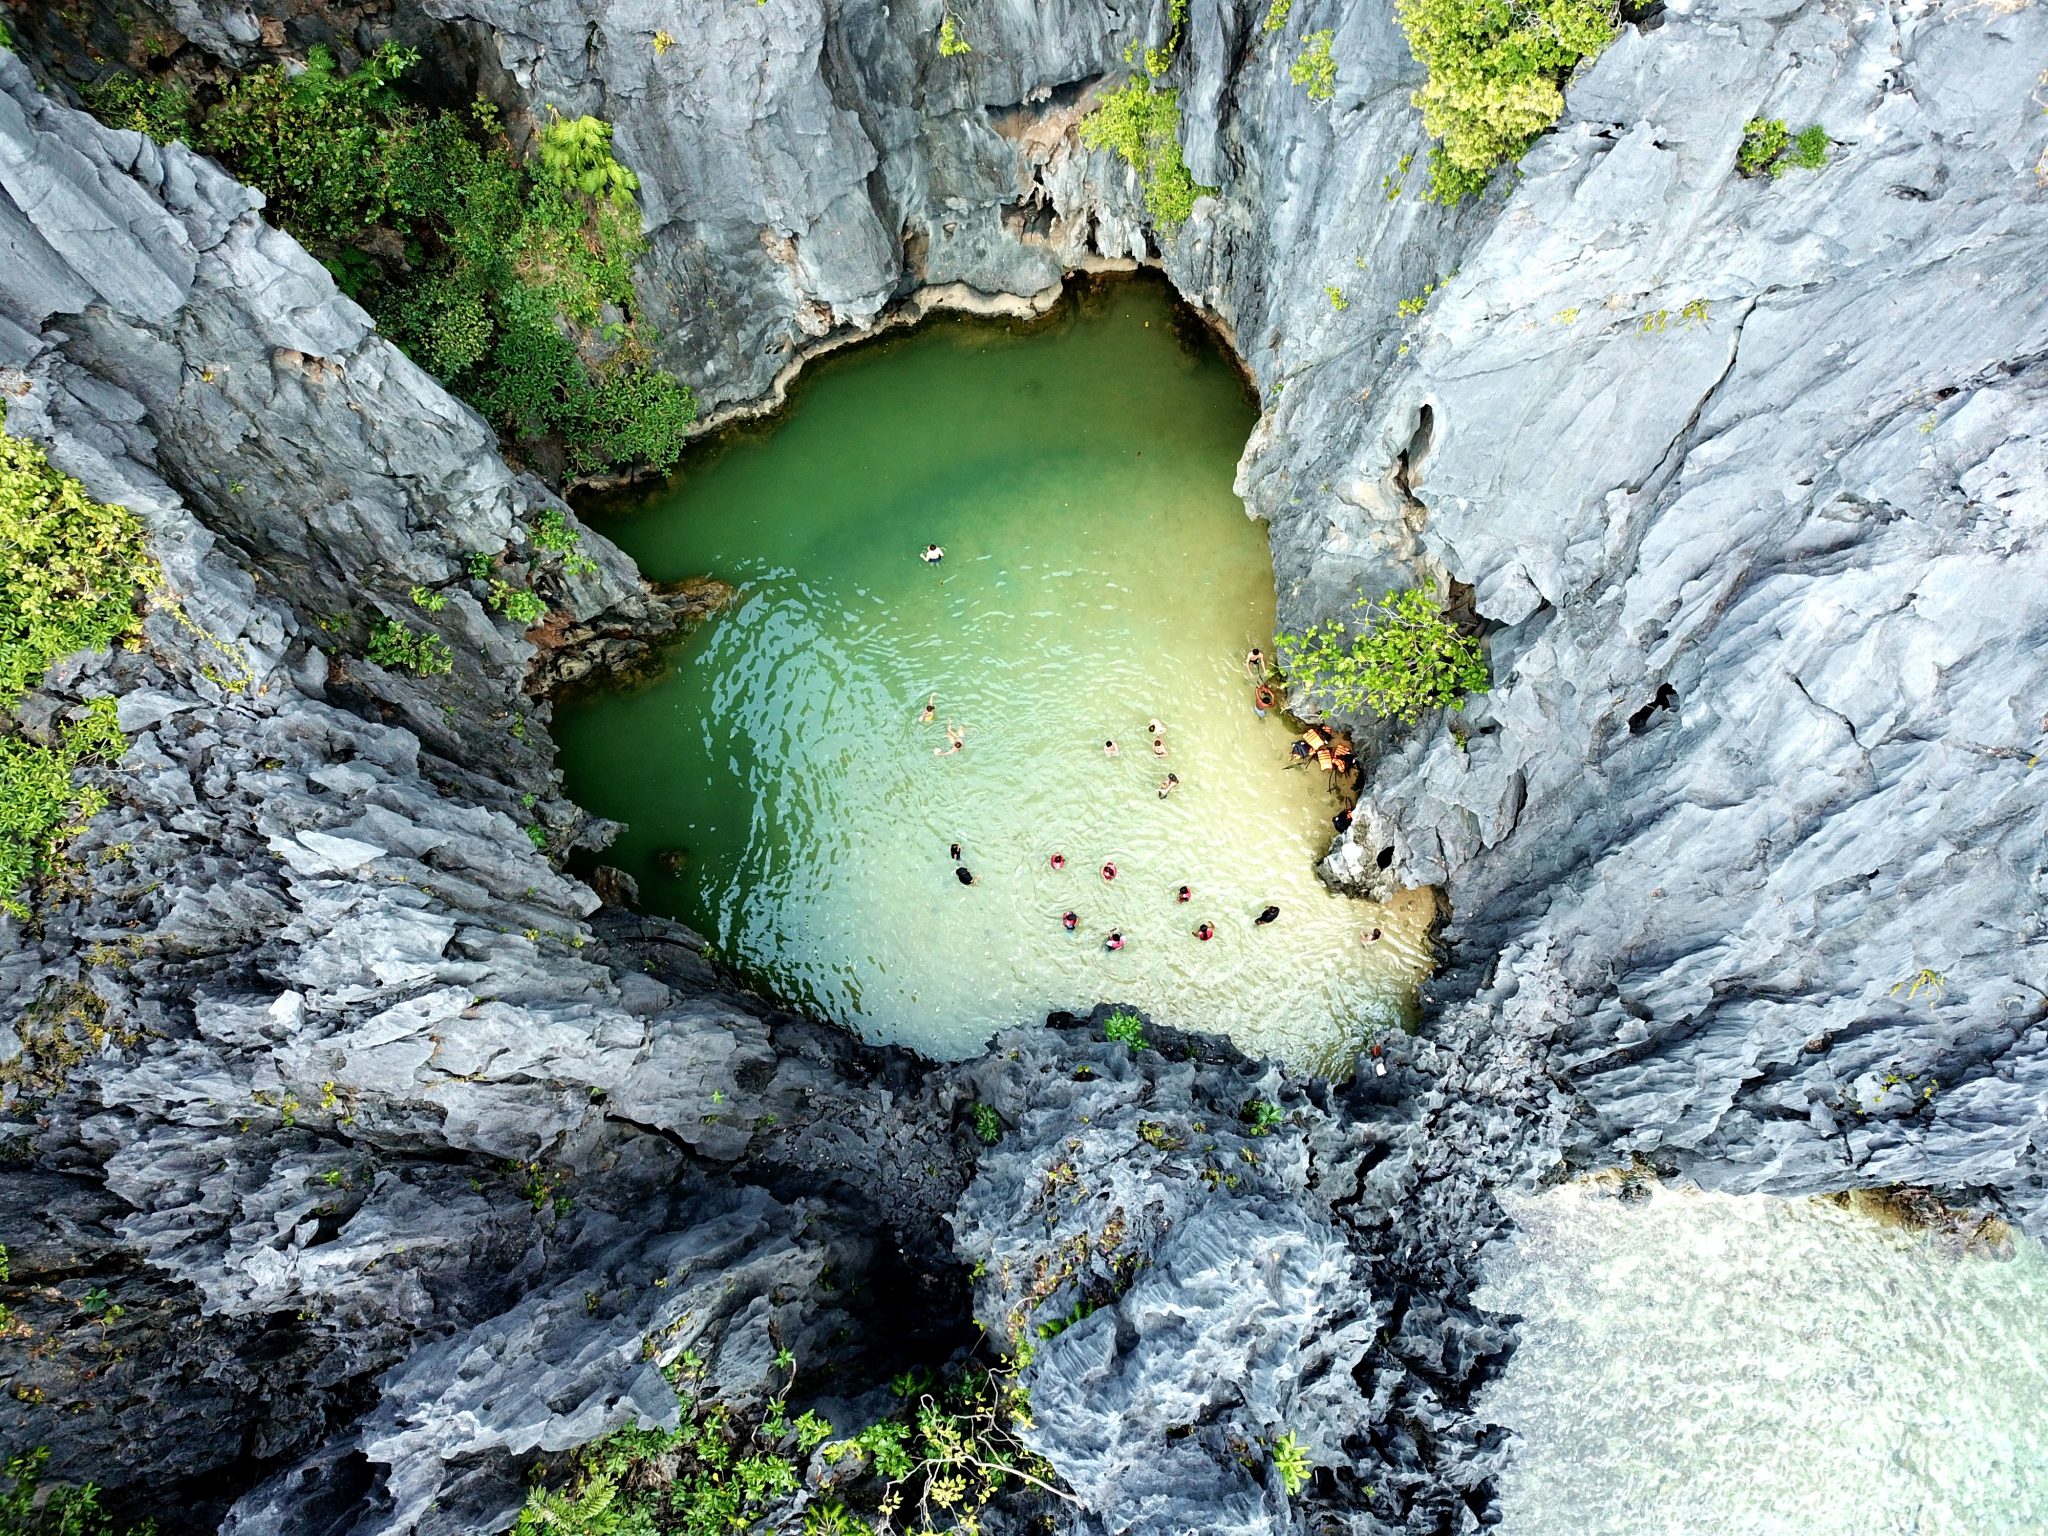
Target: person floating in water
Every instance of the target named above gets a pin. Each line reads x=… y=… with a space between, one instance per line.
x=931 y=707
x=1154 y=727
x=1109 y=870
x=1271 y=914
x=1205 y=931
x=954 y=849
x=956 y=739
x=1184 y=895
x=1370 y=938
x=1069 y=921
x=965 y=875
x=932 y=554
x=1058 y=861
x=1159 y=746
x=1114 y=941
x=1109 y=748
x=1168 y=785
x=1255 y=664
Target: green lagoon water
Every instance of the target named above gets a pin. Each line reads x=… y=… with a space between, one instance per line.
x=1099 y=572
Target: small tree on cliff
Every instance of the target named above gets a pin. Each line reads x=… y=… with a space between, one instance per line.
x=1399 y=659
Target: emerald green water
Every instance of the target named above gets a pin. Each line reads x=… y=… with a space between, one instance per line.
x=1099 y=572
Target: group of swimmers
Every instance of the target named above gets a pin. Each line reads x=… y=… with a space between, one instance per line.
x=1071 y=920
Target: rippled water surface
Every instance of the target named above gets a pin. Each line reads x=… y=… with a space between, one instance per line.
x=1099 y=572
x=1699 y=1365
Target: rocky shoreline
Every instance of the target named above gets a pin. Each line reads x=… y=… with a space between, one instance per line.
x=352 y=1102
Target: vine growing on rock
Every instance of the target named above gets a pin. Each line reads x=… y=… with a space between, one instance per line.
x=1496 y=78
x=510 y=281
x=1401 y=659
x=1141 y=122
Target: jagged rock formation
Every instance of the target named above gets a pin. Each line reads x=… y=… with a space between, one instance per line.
x=1743 y=476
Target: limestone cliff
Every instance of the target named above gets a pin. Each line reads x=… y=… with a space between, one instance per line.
x=1744 y=478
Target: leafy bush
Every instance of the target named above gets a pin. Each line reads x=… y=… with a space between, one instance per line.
x=1314 y=68
x=1290 y=1460
x=40 y=808
x=160 y=108
x=1496 y=76
x=1126 y=1027
x=1769 y=148
x=498 y=269
x=951 y=43
x=519 y=604
x=71 y=569
x=1276 y=14
x=28 y=1509
x=1142 y=124
x=1405 y=659
x=395 y=646
x=1263 y=1117
x=988 y=1125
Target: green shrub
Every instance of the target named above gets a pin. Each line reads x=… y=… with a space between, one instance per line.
x=1495 y=77
x=1263 y=1117
x=1404 y=660
x=71 y=569
x=1125 y=1027
x=1276 y=14
x=988 y=1125
x=1290 y=1460
x=951 y=43
x=1142 y=124
x=395 y=646
x=40 y=808
x=1810 y=149
x=160 y=108
x=1314 y=68
x=520 y=604
x=28 y=1509
x=1769 y=148
x=486 y=271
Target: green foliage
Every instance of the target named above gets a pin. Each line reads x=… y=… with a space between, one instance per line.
x=1496 y=73
x=489 y=273
x=1314 y=68
x=1769 y=148
x=1263 y=1117
x=577 y=152
x=1336 y=297
x=1290 y=1460
x=522 y=605
x=951 y=43
x=28 y=1509
x=311 y=141
x=1405 y=659
x=40 y=808
x=1142 y=124
x=428 y=599
x=1276 y=14
x=160 y=108
x=988 y=1125
x=1126 y=1027
x=395 y=646
x=71 y=568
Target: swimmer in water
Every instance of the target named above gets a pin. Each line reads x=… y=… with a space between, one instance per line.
x=1058 y=861
x=1271 y=914
x=965 y=875
x=1159 y=746
x=932 y=554
x=954 y=849
x=1255 y=663
x=931 y=707
x=1184 y=895
x=1205 y=932
x=1069 y=921
x=1109 y=749
x=1114 y=941
x=1370 y=938
x=1155 y=727
x=956 y=739
x=1262 y=700
x=1168 y=785
x=1109 y=871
